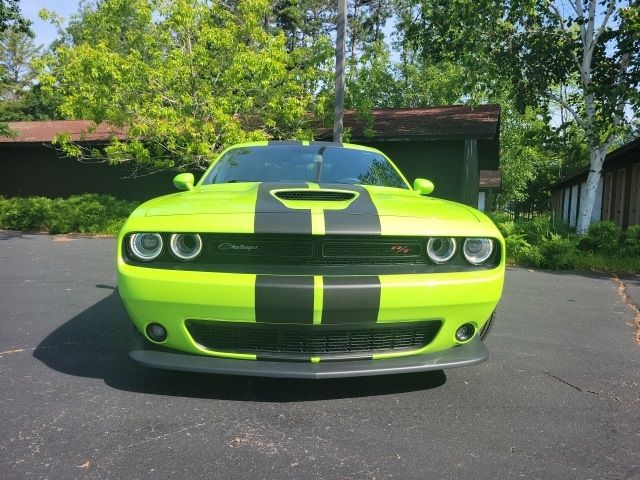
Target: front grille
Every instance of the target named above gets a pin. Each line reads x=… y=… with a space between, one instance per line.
x=402 y=249
x=315 y=195
x=303 y=341
x=272 y=249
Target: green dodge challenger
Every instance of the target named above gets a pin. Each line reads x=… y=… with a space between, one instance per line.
x=308 y=260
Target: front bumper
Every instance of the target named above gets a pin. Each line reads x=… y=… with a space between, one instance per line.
x=468 y=354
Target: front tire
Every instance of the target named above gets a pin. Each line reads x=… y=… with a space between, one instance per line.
x=487 y=326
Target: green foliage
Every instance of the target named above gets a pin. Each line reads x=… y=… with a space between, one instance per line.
x=32 y=105
x=578 y=61
x=17 y=52
x=603 y=237
x=29 y=213
x=20 y=99
x=557 y=252
x=88 y=213
x=631 y=241
x=185 y=79
x=11 y=17
x=545 y=242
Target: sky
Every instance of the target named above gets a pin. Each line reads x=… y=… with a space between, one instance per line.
x=44 y=31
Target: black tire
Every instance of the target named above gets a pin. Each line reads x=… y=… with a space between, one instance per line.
x=487 y=326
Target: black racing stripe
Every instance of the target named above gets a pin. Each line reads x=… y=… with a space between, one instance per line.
x=269 y=215
x=350 y=299
x=284 y=142
x=359 y=218
x=325 y=144
x=284 y=299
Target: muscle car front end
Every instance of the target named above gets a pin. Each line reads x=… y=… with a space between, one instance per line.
x=308 y=260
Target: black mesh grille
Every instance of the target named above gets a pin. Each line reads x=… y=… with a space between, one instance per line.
x=314 y=250
x=401 y=249
x=312 y=340
x=315 y=195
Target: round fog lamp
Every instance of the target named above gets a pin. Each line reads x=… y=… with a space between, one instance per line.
x=156 y=332
x=465 y=332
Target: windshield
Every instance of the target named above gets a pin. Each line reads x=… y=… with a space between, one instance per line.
x=300 y=163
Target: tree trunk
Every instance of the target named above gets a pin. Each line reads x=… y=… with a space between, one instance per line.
x=590 y=188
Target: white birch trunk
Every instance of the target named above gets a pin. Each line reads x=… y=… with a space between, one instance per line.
x=590 y=188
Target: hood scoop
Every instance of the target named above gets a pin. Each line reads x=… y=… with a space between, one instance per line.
x=315 y=195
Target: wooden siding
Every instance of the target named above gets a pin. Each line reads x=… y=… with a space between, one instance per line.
x=634 y=196
x=618 y=198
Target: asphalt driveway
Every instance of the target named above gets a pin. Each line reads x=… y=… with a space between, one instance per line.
x=558 y=398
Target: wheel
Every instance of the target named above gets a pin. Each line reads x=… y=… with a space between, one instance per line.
x=487 y=326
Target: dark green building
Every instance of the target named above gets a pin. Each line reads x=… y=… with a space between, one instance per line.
x=456 y=147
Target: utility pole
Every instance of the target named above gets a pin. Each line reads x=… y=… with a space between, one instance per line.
x=338 y=106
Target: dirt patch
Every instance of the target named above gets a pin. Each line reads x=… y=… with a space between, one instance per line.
x=624 y=296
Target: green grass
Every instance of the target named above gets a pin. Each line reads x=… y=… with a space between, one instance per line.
x=88 y=213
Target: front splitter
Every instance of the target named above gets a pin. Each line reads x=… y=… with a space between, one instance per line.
x=461 y=356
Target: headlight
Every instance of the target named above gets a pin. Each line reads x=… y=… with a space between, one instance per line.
x=441 y=250
x=477 y=250
x=145 y=246
x=185 y=246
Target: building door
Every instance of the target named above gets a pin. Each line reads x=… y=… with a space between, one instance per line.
x=621 y=177
x=634 y=197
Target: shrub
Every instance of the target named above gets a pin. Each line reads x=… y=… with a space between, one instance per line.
x=631 y=241
x=88 y=213
x=547 y=242
x=25 y=213
x=518 y=249
x=498 y=217
x=557 y=252
x=602 y=237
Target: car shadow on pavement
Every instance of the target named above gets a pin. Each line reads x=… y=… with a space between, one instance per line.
x=95 y=344
x=9 y=234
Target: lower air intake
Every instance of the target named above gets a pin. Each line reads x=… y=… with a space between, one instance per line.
x=303 y=341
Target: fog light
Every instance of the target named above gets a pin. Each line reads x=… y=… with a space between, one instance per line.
x=156 y=332
x=465 y=332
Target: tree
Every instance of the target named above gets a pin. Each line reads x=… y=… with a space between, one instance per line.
x=21 y=98
x=184 y=78
x=304 y=22
x=589 y=51
x=11 y=17
x=17 y=52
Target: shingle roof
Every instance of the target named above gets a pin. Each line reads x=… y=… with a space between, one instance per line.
x=454 y=121
x=45 y=131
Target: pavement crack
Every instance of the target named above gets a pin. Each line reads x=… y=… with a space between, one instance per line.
x=569 y=384
x=41 y=347
x=17 y=350
x=624 y=296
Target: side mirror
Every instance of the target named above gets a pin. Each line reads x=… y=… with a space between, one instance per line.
x=423 y=186
x=184 y=181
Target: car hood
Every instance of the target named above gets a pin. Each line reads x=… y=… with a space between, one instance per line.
x=253 y=198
